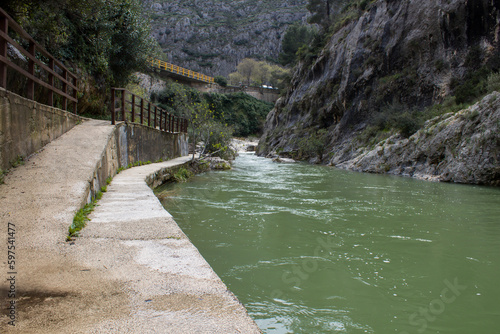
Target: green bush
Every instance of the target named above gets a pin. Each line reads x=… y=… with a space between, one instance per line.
x=182 y=175
x=312 y=145
x=221 y=81
x=295 y=37
x=493 y=83
x=243 y=112
x=399 y=117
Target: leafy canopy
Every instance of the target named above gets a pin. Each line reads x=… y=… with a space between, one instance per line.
x=295 y=37
x=108 y=39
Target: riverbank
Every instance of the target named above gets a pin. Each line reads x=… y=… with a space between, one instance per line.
x=132 y=269
x=461 y=147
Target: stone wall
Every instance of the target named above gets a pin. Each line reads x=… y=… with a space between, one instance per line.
x=26 y=126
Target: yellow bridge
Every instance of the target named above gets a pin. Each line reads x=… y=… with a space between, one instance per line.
x=181 y=71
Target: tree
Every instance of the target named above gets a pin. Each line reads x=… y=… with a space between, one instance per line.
x=205 y=124
x=295 y=37
x=221 y=81
x=279 y=77
x=236 y=78
x=246 y=68
x=109 y=39
x=261 y=73
x=323 y=10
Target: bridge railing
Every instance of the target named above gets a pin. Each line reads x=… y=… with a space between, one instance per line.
x=129 y=107
x=42 y=68
x=181 y=71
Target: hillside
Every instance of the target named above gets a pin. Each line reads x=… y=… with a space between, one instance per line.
x=384 y=70
x=213 y=36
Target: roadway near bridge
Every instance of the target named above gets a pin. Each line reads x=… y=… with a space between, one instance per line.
x=206 y=84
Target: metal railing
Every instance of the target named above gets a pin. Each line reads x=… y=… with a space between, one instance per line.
x=129 y=107
x=56 y=73
x=181 y=71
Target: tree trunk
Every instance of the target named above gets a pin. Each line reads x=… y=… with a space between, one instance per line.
x=328 y=12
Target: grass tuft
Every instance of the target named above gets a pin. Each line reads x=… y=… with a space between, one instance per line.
x=182 y=175
x=82 y=217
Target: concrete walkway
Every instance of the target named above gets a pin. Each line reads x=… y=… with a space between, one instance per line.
x=132 y=271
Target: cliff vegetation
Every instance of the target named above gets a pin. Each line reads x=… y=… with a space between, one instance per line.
x=103 y=42
x=380 y=69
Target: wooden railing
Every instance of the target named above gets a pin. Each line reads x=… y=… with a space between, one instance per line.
x=128 y=107
x=181 y=71
x=58 y=78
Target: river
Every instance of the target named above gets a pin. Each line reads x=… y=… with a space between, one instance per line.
x=314 y=249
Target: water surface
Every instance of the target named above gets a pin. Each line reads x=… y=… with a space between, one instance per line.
x=313 y=249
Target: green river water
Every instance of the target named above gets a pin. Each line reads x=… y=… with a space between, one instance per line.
x=314 y=249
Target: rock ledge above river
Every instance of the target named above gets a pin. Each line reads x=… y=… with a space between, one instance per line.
x=461 y=147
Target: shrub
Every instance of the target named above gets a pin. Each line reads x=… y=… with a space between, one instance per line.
x=313 y=145
x=493 y=82
x=399 y=117
x=221 y=81
x=295 y=37
x=182 y=175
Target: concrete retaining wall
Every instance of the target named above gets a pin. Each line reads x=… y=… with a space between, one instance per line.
x=145 y=144
x=26 y=126
x=131 y=143
x=263 y=94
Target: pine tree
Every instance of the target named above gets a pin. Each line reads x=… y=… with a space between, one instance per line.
x=323 y=10
x=320 y=10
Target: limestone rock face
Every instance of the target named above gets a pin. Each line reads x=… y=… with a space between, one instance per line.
x=463 y=148
x=406 y=52
x=213 y=36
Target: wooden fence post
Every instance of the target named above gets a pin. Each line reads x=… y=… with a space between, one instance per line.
x=75 y=95
x=51 y=82
x=149 y=113
x=133 y=108
x=65 y=90
x=142 y=111
x=124 y=118
x=155 y=116
x=161 y=119
x=4 y=27
x=113 y=107
x=31 y=70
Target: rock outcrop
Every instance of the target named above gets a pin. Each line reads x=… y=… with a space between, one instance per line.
x=213 y=36
x=407 y=53
x=462 y=147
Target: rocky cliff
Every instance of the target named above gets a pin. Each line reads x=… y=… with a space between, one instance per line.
x=213 y=36
x=405 y=55
x=462 y=147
